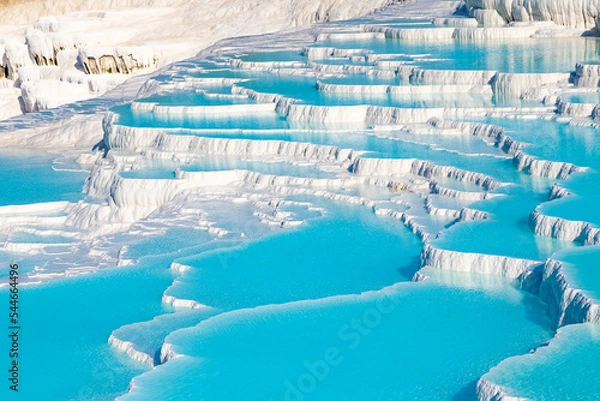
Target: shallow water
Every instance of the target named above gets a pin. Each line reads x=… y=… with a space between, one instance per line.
x=23 y=173
x=509 y=219
x=582 y=205
x=513 y=55
x=551 y=140
x=562 y=370
x=416 y=341
x=352 y=251
x=66 y=325
x=269 y=281
x=584 y=97
x=581 y=269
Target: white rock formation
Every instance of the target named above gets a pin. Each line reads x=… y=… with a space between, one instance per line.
x=500 y=33
x=14 y=54
x=130 y=350
x=488 y=391
x=504 y=266
x=107 y=40
x=565 y=304
x=350 y=36
x=46 y=94
x=320 y=53
x=557 y=192
x=575 y=109
x=515 y=85
x=587 y=75
x=404 y=90
x=391 y=167
x=520 y=14
x=9 y=98
x=523 y=161
x=412 y=33
x=465 y=214
x=438 y=189
x=41 y=49
x=450 y=77
x=300 y=12
x=462 y=22
x=567 y=230
x=121 y=137
x=488 y=17
x=579 y=14
x=120 y=60
x=545 y=168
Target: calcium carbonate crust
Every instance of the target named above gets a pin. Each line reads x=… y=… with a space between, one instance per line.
x=579 y=14
x=127 y=201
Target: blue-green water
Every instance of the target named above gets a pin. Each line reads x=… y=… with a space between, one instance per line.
x=276 y=270
x=580 y=267
x=24 y=173
x=563 y=370
x=302 y=292
x=582 y=97
x=508 y=220
x=514 y=55
x=66 y=325
x=415 y=341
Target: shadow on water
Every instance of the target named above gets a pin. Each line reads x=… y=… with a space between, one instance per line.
x=410 y=269
x=467 y=393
